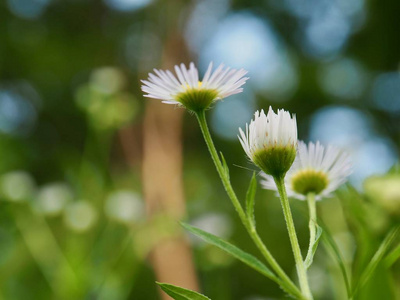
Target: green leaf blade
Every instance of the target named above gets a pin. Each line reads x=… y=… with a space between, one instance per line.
x=239 y=254
x=376 y=259
x=309 y=259
x=250 y=196
x=392 y=257
x=331 y=246
x=179 y=293
x=224 y=165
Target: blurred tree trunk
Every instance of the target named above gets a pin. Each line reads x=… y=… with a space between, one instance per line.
x=162 y=172
x=162 y=177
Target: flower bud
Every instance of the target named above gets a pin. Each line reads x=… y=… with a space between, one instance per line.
x=270 y=141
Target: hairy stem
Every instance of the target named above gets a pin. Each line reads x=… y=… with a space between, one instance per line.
x=285 y=280
x=300 y=267
x=312 y=222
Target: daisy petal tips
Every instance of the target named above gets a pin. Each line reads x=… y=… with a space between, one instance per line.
x=270 y=141
x=185 y=88
x=317 y=169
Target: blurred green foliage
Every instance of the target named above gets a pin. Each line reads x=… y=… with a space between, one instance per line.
x=69 y=80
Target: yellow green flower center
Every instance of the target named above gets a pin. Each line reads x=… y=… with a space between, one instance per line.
x=186 y=86
x=196 y=99
x=309 y=181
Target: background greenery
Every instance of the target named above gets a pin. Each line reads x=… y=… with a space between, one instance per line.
x=70 y=101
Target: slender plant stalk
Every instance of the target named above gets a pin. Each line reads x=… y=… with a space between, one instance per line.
x=286 y=282
x=375 y=260
x=312 y=210
x=392 y=257
x=300 y=267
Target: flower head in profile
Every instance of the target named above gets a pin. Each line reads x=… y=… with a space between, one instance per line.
x=185 y=88
x=317 y=169
x=270 y=141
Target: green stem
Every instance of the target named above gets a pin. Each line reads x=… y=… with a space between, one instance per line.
x=286 y=282
x=312 y=222
x=300 y=267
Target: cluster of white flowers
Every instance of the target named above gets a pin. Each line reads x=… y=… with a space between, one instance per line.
x=270 y=141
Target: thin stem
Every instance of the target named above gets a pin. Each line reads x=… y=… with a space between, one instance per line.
x=300 y=267
x=47 y=253
x=286 y=282
x=312 y=210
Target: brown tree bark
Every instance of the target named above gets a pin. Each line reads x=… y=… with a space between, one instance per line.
x=162 y=180
x=162 y=177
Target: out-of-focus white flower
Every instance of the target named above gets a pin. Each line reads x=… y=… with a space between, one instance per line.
x=270 y=141
x=80 y=216
x=316 y=169
x=107 y=80
x=385 y=191
x=214 y=223
x=52 y=198
x=17 y=186
x=124 y=206
x=187 y=90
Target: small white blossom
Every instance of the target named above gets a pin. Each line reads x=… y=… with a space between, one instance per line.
x=316 y=169
x=270 y=141
x=186 y=89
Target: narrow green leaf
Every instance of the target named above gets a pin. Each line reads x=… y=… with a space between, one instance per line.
x=376 y=259
x=392 y=257
x=239 y=254
x=250 y=196
x=179 y=293
x=331 y=246
x=224 y=164
x=314 y=246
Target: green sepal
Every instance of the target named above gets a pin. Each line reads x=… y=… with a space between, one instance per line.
x=275 y=160
x=197 y=100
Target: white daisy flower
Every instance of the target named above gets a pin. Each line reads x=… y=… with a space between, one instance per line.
x=187 y=90
x=316 y=169
x=271 y=141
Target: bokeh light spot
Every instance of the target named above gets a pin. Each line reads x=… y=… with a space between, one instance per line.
x=376 y=156
x=243 y=40
x=386 y=92
x=340 y=125
x=229 y=115
x=52 y=198
x=28 y=9
x=127 y=5
x=353 y=131
x=80 y=216
x=17 y=186
x=125 y=207
x=344 y=78
x=17 y=112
